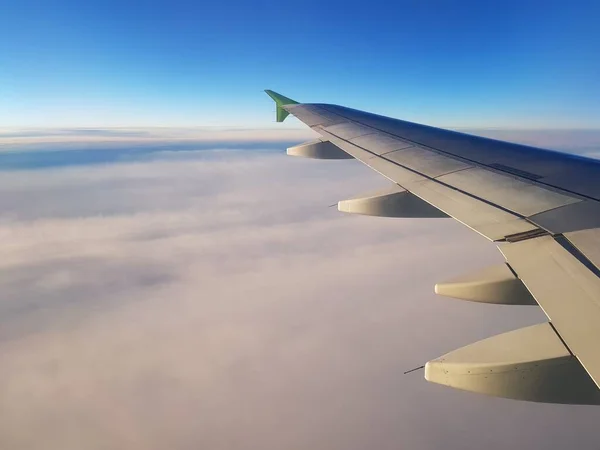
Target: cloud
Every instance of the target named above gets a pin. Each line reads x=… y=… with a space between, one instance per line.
x=28 y=149
x=216 y=302
x=78 y=138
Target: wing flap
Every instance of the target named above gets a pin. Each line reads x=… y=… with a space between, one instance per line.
x=577 y=216
x=489 y=221
x=588 y=243
x=567 y=291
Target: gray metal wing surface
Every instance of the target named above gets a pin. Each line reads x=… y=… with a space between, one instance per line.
x=540 y=207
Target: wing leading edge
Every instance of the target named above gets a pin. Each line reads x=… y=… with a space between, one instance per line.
x=540 y=207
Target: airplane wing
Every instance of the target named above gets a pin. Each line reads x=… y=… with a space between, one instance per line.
x=540 y=207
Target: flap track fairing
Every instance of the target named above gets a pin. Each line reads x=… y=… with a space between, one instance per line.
x=494 y=284
x=530 y=364
x=391 y=202
x=318 y=149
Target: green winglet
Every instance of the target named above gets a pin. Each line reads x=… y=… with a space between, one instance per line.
x=280 y=101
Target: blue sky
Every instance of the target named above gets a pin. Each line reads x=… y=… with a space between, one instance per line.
x=528 y=64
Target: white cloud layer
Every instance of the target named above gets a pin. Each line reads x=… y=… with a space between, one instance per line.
x=52 y=138
x=217 y=303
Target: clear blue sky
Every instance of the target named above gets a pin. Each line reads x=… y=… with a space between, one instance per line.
x=182 y=63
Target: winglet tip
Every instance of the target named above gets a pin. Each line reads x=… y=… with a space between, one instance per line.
x=280 y=101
